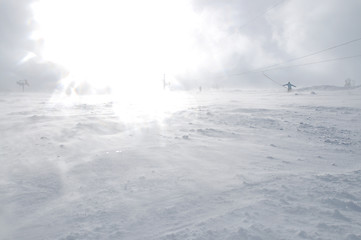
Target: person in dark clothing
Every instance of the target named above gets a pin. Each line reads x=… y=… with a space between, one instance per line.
x=289 y=86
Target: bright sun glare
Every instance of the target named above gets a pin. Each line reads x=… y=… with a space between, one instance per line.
x=120 y=44
x=125 y=46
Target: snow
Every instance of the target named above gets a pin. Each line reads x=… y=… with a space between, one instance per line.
x=223 y=164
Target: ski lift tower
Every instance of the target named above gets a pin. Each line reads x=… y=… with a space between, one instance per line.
x=165 y=84
x=23 y=83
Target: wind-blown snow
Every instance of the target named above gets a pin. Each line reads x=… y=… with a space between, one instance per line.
x=231 y=164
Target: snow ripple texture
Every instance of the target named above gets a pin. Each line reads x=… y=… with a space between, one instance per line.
x=232 y=164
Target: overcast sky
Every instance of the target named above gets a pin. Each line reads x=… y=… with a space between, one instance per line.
x=204 y=42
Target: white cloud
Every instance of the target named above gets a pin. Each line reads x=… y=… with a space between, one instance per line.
x=207 y=42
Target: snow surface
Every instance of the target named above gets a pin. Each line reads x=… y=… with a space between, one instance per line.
x=225 y=164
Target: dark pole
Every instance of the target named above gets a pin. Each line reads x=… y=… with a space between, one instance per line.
x=164 y=81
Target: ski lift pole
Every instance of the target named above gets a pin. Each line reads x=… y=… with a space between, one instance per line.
x=164 y=81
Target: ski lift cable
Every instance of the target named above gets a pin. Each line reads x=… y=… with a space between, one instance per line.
x=297 y=65
x=315 y=53
x=297 y=58
x=305 y=64
x=271 y=79
x=272 y=67
x=312 y=63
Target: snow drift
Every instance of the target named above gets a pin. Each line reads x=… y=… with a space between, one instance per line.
x=246 y=164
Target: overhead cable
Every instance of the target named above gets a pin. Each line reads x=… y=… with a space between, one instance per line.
x=266 y=68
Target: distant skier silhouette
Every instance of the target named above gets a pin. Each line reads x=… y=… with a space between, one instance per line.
x=289 y=86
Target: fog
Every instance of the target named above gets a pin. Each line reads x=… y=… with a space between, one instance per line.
x=209 y=43
x=169 y=120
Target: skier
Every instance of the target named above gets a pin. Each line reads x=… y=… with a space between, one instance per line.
x=289 y=86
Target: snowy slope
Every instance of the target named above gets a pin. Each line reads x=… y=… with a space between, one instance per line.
x=327 y=88
x=225 y=164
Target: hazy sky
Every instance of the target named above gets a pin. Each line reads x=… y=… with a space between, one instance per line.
x=109 y=43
